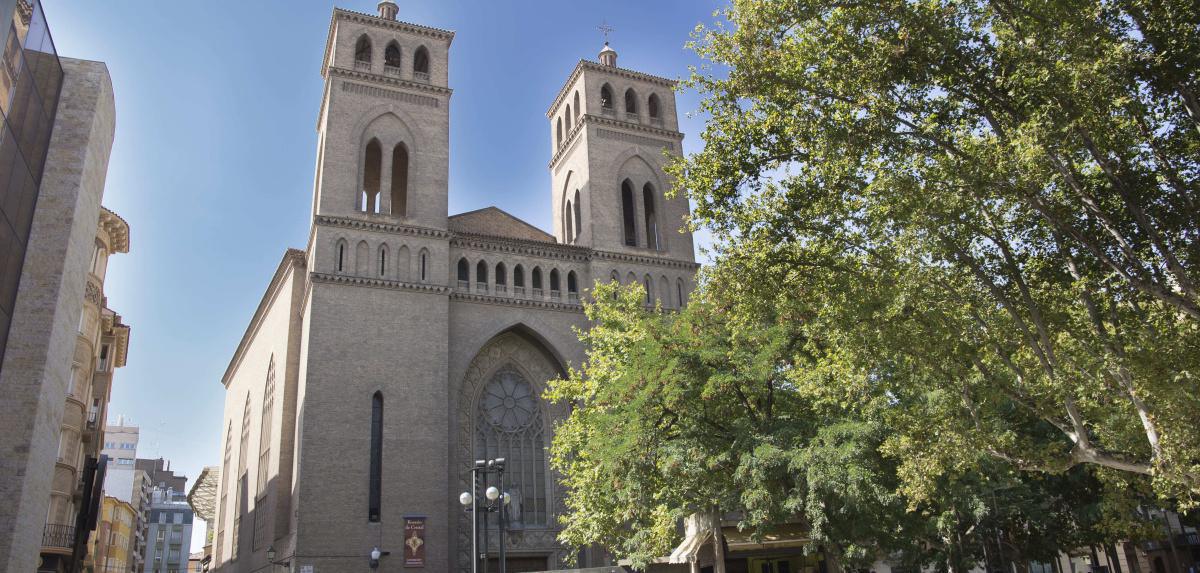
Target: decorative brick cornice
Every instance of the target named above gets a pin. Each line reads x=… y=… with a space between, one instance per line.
x=368 y=225
x=644 y=260
x=520 y=247
x=566 y=148
x=398 y=25
x=377 y=283
x=389 y=80
x=619 y=72
x=520 y=302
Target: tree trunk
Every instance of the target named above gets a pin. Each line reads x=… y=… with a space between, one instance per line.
x=718 y=544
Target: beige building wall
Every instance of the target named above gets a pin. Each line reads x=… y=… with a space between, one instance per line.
x=50 y=302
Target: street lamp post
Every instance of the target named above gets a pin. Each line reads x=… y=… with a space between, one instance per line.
x=495 y=500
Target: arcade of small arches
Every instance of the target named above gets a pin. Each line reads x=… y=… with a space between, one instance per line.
x=384 y=261
x=393 y=59
x=570 y=116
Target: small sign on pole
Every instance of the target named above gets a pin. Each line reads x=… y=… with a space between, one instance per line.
x=414 y=541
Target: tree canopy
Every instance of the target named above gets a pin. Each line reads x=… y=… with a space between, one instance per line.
x=985 y=209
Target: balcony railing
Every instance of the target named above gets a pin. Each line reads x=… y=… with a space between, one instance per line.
x=464 y=285
x=537 y=292
x=481 y=287
x=518 y=291
x=608 y=111
x=362 y=66
x=391 y=70
x=421 y=76
x=555 y=295
x=501 y=289
x=58 y=535
x=657 y=121
x=631 y=116
x=573 y=297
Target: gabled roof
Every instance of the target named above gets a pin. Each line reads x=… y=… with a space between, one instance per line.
x=496 y=223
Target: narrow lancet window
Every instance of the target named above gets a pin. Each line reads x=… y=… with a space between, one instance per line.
x=631 y=102
x=652 y=106
x=391 y=58
x=376 y=481
x=606 y=97
x=651 y=217
x=627 y=213
x=464 y=272
x=578 y=216
x=421 y=64
x=372 y=168
x=400 y=180
x=362 y=52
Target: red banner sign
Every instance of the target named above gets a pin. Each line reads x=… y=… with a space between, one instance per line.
x=414 y=541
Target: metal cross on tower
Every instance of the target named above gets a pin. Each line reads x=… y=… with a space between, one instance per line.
x=605 y=29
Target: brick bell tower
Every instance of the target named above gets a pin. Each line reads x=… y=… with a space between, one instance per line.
x=609 y=129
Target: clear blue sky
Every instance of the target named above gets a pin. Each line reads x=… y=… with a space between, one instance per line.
x=213 y=161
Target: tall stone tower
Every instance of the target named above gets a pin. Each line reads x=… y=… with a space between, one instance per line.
x=609 y=128
x=383 y=147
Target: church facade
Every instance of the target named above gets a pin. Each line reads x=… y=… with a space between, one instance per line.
x=403 y=343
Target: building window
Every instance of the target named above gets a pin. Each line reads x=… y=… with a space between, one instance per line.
x=554 y=284
x=627 y=216
x=649 y=290
x=509 y=424
x=558 y=141
x=464 y=273
x=568 y=116
x=341 y=256
x=578 y=216
x=606 y=98
x=652 y=106
x=481 y=275
x=382 y=260
x=519 y=280
x=376 y=479
x=631 y=107
x=568 y=224
x=679 y=292
x=576 y=107
x=372 y=168
x=391 y=59
x=501 y=277
x=651 y=216
x=537 y=281
x=421 y=64
x=572 y=287
x=264 y=456
x=424 y=255
x=362 y=53
x=400 y=180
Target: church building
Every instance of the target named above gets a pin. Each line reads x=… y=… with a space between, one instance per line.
x=403 y=343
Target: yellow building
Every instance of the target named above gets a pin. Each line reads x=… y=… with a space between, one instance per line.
x=108 y=548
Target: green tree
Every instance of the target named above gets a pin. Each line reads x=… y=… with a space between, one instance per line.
x=714 y=409
x=675 y=414
x=984 y=211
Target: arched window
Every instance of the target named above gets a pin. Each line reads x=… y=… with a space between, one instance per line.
x=572 y=283
x=391 y=58
x=501 y=275
x=615 y=276
x=558 y=142
x=631 y=102
x=400 y=180
x=375 y=494
x=577 y=107
x=223 y=508
x=341 y=256
x=264 y=454
x=518 y=280
x=481 y=279
x=372 y=168
x=578 y=216
x=652 y=106
x=464 y=273
x=509 y=424
x=362 y=52
x=606 y=97
x=421 y=64
x=679 y=292
x=649 y=286
x=568 y=225
x=627 y=213
x=241 y=495
x=651 y=216
x=537 y=280
x=424 y=270
x=569 y=120
x=554 y=286
x=664 y=291
x=383 y=260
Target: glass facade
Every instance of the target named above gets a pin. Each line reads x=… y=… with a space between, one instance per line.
x=30 y=81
